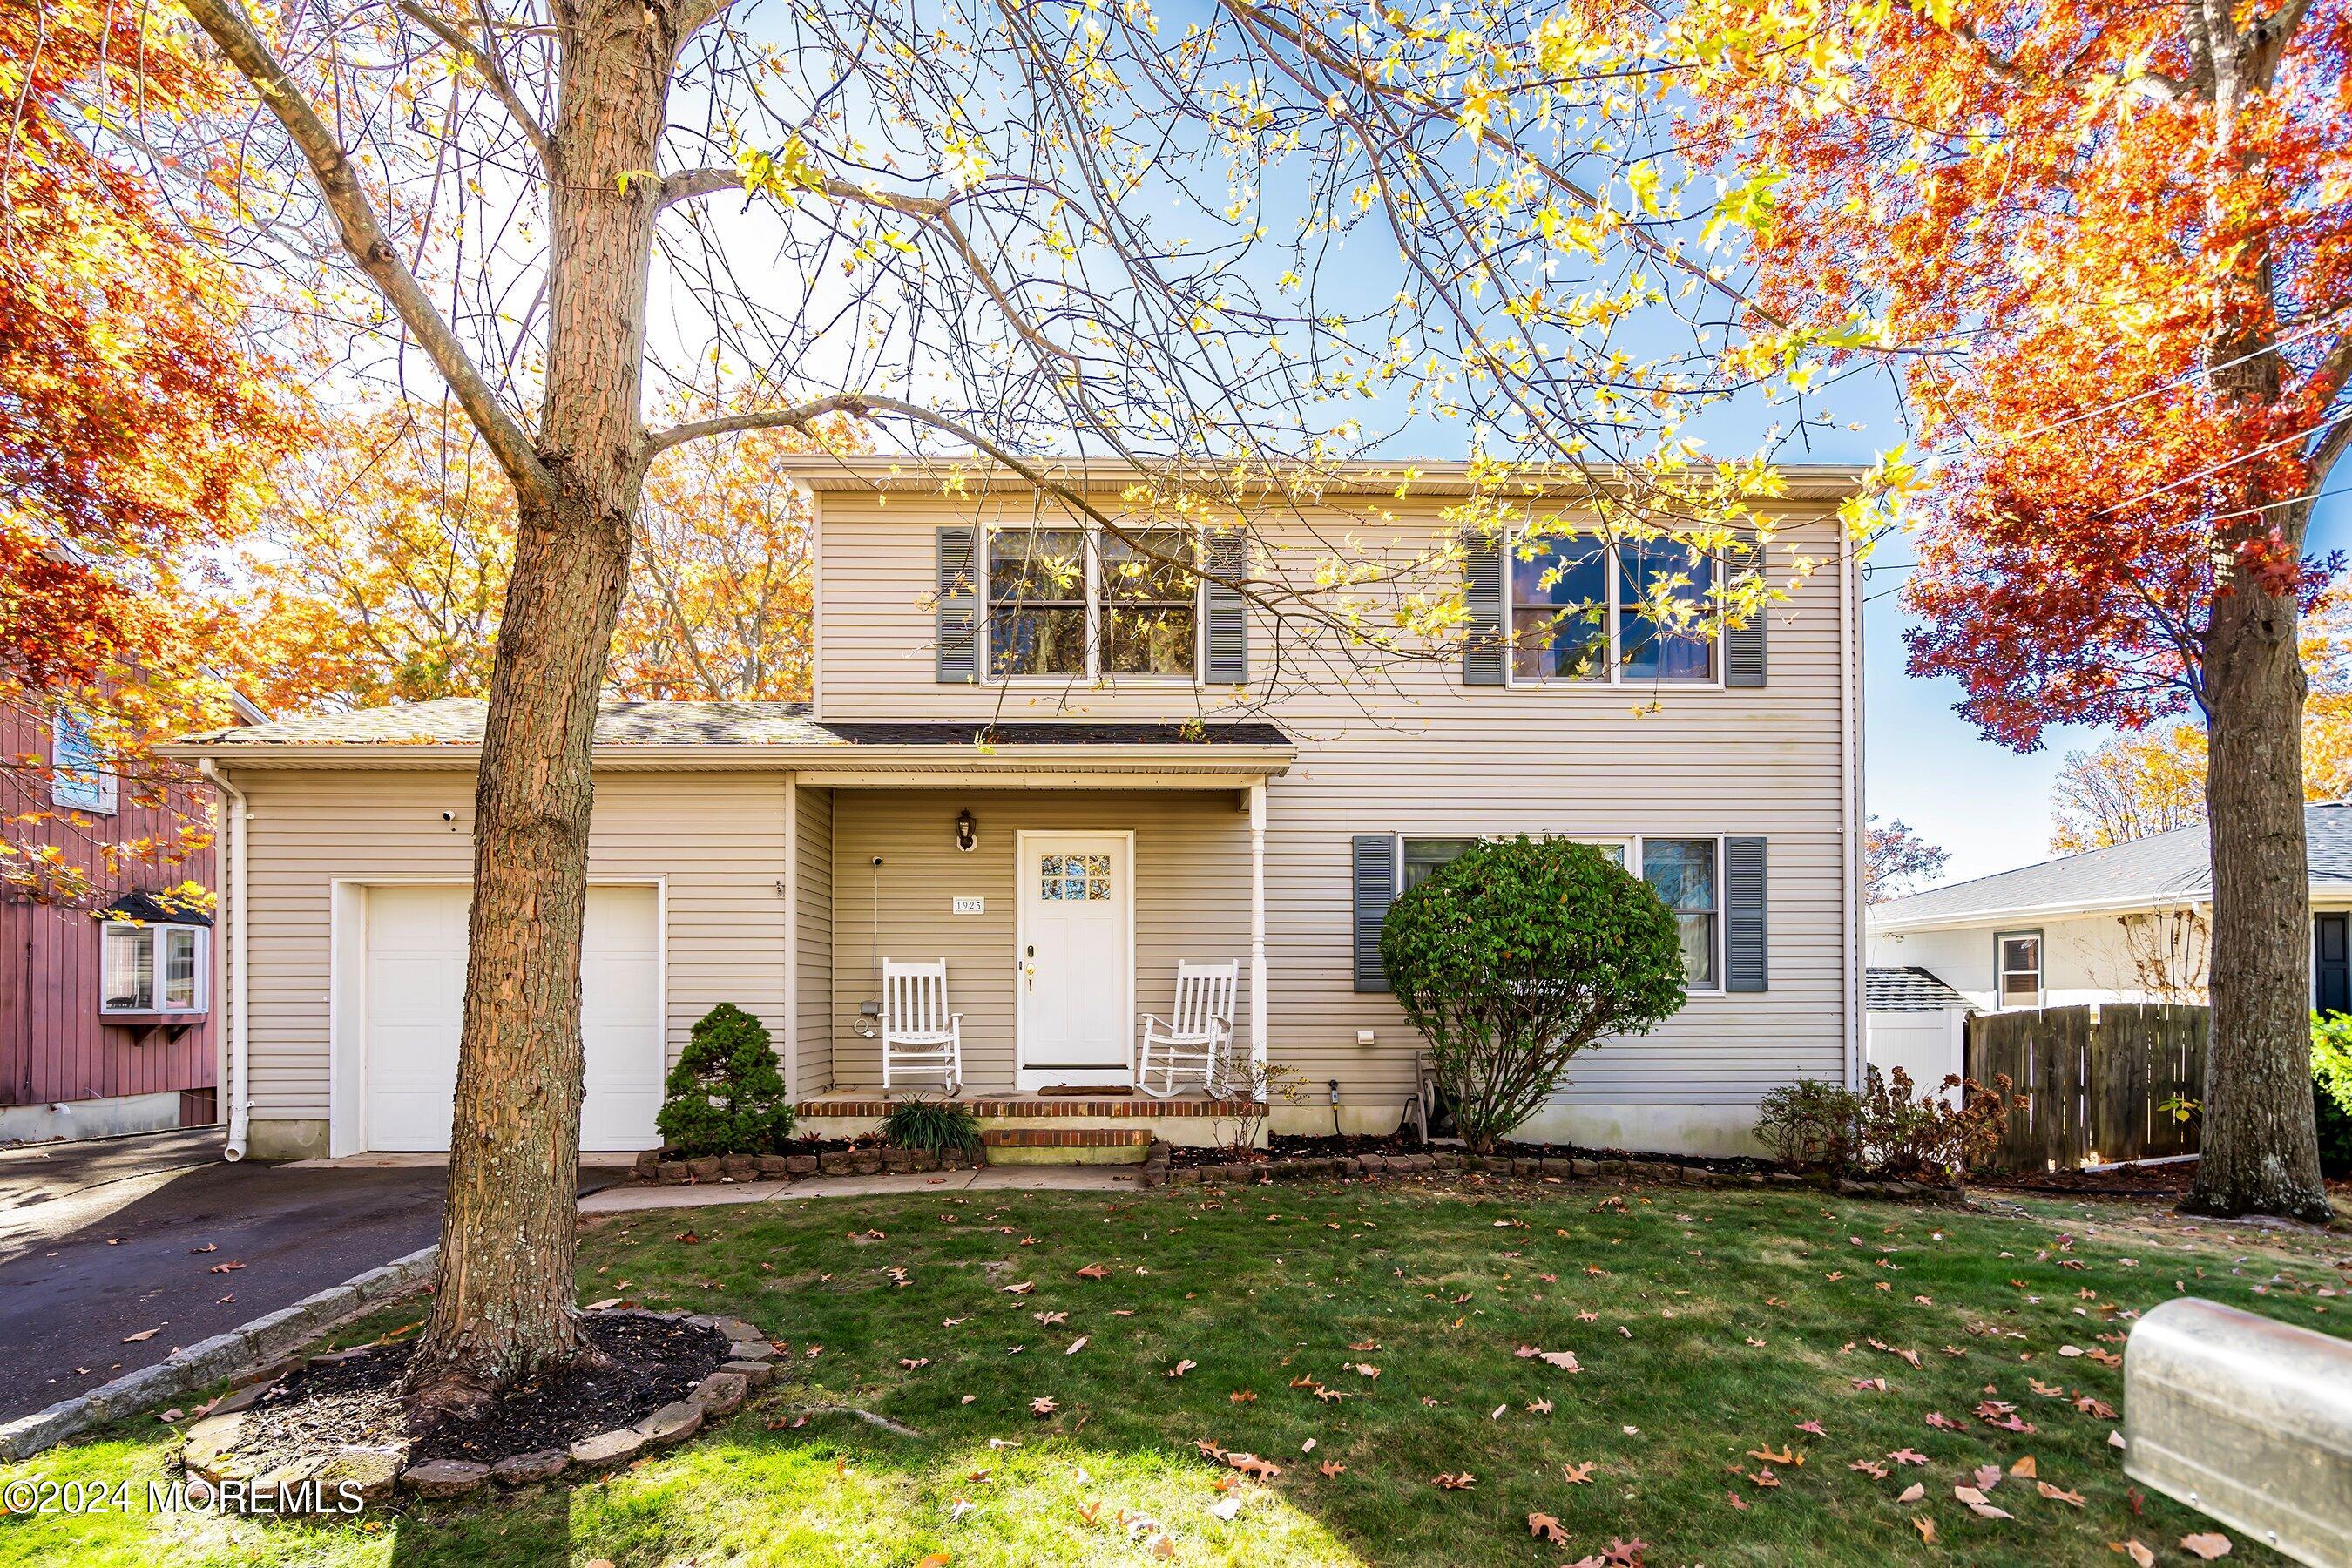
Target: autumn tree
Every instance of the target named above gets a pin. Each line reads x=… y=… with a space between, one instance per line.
x=377 y=571
x=135 y=429
x=2107 y=249
x=2154 y=780
x=1220 y=252
x=1894 y=856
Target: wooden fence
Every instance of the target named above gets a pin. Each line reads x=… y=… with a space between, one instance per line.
x=2089 y=1085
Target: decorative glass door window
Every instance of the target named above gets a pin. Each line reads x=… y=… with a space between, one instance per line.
x=1072 y=878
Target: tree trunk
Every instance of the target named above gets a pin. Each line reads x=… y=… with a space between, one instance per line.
x=504 y=1305
x=2261 y=1149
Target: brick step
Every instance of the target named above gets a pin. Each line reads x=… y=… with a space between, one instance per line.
x=1066 y=1137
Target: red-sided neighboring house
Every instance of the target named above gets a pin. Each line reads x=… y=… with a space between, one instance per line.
x=106 y=1008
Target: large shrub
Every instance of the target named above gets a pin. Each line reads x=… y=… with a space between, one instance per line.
x=1517 y=955
x=2331 y=1090
x=1810 y=1125
x=725 y=1096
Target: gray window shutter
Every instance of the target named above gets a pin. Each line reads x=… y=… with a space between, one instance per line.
x=1743 y=646
x=959 y=604
x=1376 y=890
x=1228 y=611
x=1745 y=967
x=1482 y=648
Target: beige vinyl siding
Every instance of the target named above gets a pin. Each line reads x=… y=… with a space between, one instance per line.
x=1191 y=900
x=717 y=840
x=1413 y=752
x=814 y=1007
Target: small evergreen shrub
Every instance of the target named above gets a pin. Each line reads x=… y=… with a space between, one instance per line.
x=1515 y=956
x=1810 y=1125
x=725 y=1095
x=941 y=1127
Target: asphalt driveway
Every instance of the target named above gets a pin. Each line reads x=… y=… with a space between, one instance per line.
x=105 y=1239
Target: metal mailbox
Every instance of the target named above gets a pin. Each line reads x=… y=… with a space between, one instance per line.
x=2247 y=1420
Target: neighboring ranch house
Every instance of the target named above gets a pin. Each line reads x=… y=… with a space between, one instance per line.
x=2129 y=924
x=1064 y=788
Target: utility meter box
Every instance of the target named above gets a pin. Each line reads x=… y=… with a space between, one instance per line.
x=2245 y=1419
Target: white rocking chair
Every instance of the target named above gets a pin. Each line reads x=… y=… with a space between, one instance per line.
x=919 y=1036
x=1198 y=1039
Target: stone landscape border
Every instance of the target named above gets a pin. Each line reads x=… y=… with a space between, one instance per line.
x=870 y=1160
x=211 y=1452
x=253 y=1352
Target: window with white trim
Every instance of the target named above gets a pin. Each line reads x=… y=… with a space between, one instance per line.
x=1078 y=603
x=149 y=968
x=2017 y=960
x=81 y=775
x=1422 y=857
x=1681 y=872
x=1583 y=610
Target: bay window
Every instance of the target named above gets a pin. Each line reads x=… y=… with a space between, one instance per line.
x=148 y=969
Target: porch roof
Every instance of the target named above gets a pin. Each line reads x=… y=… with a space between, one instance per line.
x=715 y=735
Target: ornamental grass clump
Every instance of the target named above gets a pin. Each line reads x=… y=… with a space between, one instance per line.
x=725 y=1096
x=1515 y=956
x=939 y=1127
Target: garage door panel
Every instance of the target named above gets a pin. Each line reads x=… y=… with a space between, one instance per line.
x=416 y=987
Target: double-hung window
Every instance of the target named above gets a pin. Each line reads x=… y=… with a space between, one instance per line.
x=1076 y=604
x=2018 y=957
x=82 y=776
x=1583 y=610
x=1681 y=872
x=149 y=968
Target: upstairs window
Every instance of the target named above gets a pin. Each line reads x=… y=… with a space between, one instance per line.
x=1582 y=609
x=1072 y=604
x=148 y=969
x=81 y=774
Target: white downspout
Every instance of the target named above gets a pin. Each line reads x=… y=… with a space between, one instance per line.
x=234 y=1081
x=1854 y=809
x=1257 y=922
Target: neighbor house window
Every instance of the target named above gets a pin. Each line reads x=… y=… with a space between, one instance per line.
x=2020 y=962
x=151 y=969
x=1681 y=871
x=1575 y=618
x=81 y=774
x=1073 y=602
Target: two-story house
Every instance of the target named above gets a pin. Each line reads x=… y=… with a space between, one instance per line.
x=1063 y=772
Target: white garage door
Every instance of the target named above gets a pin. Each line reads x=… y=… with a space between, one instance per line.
x=416 y=992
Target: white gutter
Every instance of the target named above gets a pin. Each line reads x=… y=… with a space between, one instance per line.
x=234 y=1079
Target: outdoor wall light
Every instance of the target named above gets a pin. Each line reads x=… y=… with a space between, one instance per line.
x=967 y=835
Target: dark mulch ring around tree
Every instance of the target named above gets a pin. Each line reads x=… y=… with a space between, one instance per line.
x=352 y=1400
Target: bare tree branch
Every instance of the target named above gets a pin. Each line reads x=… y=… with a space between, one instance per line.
x=492 y=73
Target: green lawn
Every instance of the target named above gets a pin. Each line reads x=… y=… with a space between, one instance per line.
x=1709 y=1327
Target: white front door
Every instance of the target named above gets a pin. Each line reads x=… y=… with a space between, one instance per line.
x=1076 y=982
x=415 y=994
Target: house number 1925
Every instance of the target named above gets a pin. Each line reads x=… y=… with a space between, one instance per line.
x=971 y=906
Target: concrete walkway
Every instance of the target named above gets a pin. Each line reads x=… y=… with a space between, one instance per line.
x=630 y=1197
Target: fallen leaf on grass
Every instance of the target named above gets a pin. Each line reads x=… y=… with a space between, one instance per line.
x=1330 y=1468
x=1938 y=1419
x=1987 y=1477
x=1540 y=1407
x=1776 y=1457
x=2059 y=1494
x=1366 y=1345
x=1870 y=1468
x=1242 y=1396
x=1908 y=1456
x=1577 y=1475
x=1094 y=1271
x=1182 y=1367
x=1978 y=1506
x=1925 y=1526
x=2135 y=1551
x=1815 y=1428
x=1453 y=1483
x=1043 y=1405
x=1912 y=1493
x=936 y=1560
x=1544 y=1526
x=911 y=1362
x=1078 y=1344
x=2208 y=1545
x=1251 y=1465
x=2023 y=1469
x=1736 y=1501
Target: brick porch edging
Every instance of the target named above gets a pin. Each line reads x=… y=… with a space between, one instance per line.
x=1158 y=1172
x=242 y=1353
x=1138 y=1107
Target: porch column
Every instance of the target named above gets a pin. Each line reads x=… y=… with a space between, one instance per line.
x=1257 y=925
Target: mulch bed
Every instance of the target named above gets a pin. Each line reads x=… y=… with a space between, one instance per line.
x=2122 y=1180
x=354 y=1402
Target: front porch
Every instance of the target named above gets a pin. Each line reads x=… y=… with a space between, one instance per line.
x=1060 y=909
